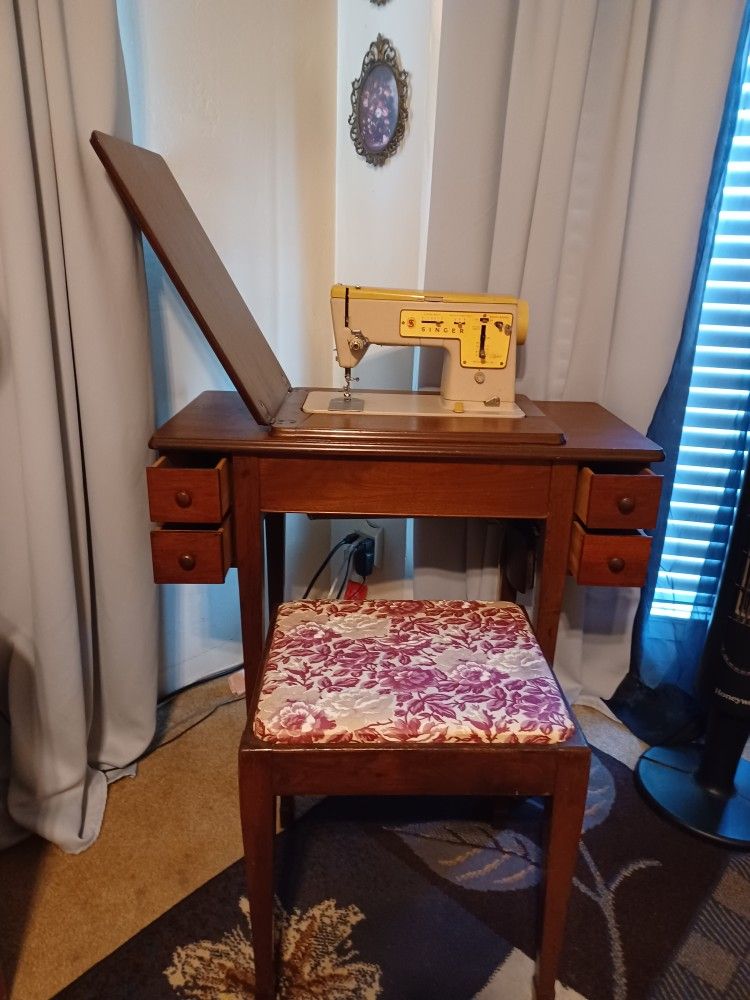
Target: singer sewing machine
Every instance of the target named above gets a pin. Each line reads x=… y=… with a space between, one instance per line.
x=479 y=334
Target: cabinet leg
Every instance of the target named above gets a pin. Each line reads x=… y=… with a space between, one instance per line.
x=554 y=558
x=275 y=535
x=248 y=544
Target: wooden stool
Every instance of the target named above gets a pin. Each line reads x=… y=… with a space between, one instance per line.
x=409 y=698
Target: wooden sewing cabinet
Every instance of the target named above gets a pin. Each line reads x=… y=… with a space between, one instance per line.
x=221 y=478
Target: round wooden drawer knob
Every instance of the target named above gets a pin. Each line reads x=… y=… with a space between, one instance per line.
x=183 y=499
x=626 y=505
x=187 y=561
x=616 y=564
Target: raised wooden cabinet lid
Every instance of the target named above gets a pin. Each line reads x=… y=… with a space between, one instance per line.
x=155 y=201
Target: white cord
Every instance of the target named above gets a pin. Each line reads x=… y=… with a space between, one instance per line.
x=342 y=571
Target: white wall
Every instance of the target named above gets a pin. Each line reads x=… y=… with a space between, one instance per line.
x=248 y=101
x=239 y=97
x=382 y=212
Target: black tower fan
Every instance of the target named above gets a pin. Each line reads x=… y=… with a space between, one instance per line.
x=707 y=789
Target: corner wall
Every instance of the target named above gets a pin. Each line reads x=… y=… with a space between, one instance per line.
x=382 y=212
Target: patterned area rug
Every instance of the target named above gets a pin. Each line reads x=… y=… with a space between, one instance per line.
x=435 y=899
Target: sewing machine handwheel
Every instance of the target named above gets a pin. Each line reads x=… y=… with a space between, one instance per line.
x=616 y=564
x=626 y=505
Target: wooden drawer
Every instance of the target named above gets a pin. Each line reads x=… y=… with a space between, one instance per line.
x=191 y=555
x=618 y=500
x=609 y=559
x=189 y=493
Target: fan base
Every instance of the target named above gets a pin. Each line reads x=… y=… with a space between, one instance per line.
x=666 y=776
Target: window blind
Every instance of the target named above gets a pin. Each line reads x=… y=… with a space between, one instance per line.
x=713 y=445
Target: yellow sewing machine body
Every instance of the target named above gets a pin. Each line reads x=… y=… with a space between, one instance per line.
x=479 y=334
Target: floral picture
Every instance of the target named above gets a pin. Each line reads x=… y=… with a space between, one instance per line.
x=378 y=107
x=379 y=112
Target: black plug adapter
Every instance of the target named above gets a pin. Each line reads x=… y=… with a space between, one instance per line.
x=364 y=556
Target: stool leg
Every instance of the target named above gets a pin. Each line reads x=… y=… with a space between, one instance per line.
x=258 y=813
x=565 y=818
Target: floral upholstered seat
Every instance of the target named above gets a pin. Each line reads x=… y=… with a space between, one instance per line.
x=407 y=671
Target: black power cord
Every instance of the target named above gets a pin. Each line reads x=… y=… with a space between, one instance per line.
x=361 y=556
x=346 y=540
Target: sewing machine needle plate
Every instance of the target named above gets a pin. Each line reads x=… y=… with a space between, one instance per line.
x=400 y=404
x=342 y=404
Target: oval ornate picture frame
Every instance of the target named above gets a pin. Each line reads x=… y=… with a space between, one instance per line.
x=379 y=103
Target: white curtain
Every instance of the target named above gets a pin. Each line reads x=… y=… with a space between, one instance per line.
x=584 y=150
x=78 y=623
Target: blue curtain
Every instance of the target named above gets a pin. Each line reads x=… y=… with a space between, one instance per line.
x=655 y=698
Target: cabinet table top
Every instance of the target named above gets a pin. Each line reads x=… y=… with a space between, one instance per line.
x=219 y=421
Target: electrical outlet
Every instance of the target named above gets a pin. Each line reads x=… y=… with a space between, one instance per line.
x=376 y=532
x=364 y=527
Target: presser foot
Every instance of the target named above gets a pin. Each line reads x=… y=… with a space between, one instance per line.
x=347 y=401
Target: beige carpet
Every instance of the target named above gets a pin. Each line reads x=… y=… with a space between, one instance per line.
x=164 y=834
